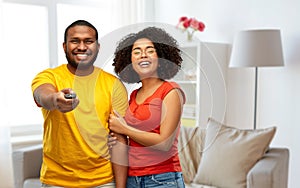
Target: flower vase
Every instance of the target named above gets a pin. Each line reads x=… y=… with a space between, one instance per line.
x=189 y=36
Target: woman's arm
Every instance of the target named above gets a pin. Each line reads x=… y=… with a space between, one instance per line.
x=171 y=115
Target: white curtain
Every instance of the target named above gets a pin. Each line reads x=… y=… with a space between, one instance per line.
x=129 y=11
x=6 y=173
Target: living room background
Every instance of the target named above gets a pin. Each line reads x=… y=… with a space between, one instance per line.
x=278 y=96
x=31 y=34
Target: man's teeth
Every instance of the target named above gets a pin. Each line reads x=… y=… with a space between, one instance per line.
x=81 y=55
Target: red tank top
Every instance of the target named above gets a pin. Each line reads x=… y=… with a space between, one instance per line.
x=147 y=116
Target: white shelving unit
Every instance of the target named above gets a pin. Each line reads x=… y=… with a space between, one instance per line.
x=189 y=80
x=202 y=77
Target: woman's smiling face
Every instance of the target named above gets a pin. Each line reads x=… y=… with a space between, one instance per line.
x=144 y=58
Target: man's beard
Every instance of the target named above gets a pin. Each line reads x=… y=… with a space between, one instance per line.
x=81 y=66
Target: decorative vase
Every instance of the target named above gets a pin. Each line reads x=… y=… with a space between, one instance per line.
x=190 y=36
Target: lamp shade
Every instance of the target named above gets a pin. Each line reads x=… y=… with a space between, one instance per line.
x=257 y=48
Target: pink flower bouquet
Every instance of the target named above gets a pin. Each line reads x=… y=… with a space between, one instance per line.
x=190 y=25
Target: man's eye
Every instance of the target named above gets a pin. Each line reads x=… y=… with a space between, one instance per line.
x=74 y=41
x=89 y=42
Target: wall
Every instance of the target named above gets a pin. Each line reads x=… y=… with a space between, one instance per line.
x=6 y=174
x=278 y=96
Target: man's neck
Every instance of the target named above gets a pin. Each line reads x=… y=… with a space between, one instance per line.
x=80 y=71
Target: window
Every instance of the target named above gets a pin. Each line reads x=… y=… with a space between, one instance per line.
x=32 y=33
x=31 y=40
x=25 y=54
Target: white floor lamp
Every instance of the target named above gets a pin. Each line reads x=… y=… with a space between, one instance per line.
x=257 y=48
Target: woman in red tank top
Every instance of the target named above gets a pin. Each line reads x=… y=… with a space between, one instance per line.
x=152 y=121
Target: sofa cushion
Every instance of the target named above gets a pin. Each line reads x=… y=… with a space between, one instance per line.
x=32 y=183
x=192 y=185
x=190 y=145
x=230 y=153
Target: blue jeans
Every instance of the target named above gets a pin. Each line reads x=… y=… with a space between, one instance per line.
x=164 y=180
x=107 y=185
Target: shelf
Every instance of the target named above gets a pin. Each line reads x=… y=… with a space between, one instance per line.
x=188 y=117
x=186 y=81
x=189 y=80
x=188 y=122
x=200 y=76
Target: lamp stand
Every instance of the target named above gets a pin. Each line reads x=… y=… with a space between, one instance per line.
x=255 y=97
x=257 y=48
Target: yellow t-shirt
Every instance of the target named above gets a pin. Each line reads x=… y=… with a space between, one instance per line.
x=75 y=143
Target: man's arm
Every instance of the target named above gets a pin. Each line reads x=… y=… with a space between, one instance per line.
x=119 y=159
x=119 y=154
x=47 y=97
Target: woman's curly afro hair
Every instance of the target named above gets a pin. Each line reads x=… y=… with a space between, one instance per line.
x=168 y=52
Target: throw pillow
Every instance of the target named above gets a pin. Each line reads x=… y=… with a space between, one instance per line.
x=190 y=146
x=230 y=153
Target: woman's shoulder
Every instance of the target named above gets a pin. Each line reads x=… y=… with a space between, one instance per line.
x=171 y=85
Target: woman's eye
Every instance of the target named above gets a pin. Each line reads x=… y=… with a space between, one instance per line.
x=150 y=51
x=136 y=52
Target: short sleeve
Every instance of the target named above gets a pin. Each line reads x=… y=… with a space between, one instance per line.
x=119 y=97
x=43 y=77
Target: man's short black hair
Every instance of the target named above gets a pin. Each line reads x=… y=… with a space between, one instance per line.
x=82 y=23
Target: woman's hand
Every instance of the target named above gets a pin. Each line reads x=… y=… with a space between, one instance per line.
x=117 y=123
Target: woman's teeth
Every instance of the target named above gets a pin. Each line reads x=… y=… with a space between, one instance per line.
x=144 y=63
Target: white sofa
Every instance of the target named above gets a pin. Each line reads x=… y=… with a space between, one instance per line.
x=26 y=164
x=226 y=157
x=269 y=171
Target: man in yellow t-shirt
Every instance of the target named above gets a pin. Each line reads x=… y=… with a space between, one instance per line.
x=75 y=152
